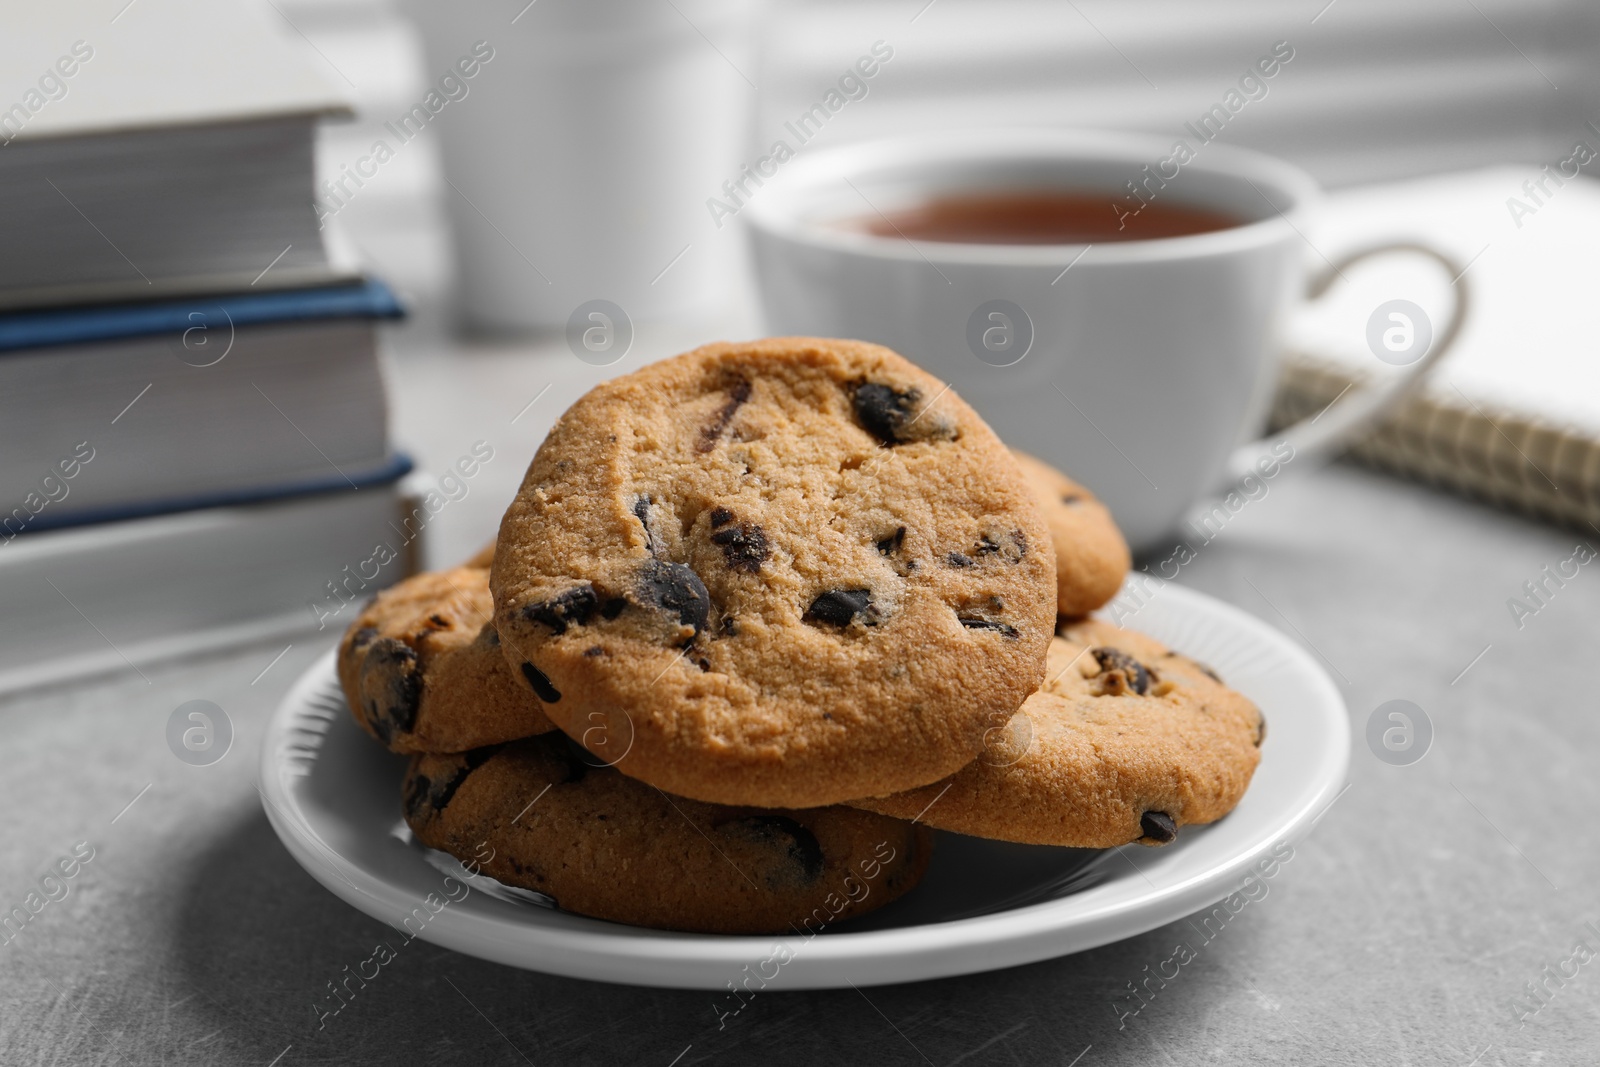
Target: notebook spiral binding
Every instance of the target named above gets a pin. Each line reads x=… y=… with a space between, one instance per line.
x=1509 y=460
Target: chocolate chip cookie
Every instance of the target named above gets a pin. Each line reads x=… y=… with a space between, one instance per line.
x=422 y=670
x=785 y=573
x=540 y=815
x=1091 y=556
x=1126 y=741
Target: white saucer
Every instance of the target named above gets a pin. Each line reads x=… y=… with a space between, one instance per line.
x=334 y=798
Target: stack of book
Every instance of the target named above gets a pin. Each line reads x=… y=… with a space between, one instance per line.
x=194 y=440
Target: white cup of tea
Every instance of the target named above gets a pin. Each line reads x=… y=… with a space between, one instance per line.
x=1104 y=307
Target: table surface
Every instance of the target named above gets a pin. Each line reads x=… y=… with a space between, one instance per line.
x=1405 y=929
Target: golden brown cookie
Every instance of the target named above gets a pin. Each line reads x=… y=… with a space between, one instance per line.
x=1126 y=741
x=785 y=573
x=1091 y=556
x=538 y=814
x=422 y=670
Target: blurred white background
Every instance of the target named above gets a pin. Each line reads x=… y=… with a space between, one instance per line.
x=1376 y=90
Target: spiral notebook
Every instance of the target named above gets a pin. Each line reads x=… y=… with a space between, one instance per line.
x=1512 y=415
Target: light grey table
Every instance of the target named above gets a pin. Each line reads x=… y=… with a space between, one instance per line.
x=1402 y=932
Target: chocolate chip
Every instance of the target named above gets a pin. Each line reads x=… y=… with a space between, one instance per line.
x=1120 y=672
x=985 y=614
x=704 y=664
x=362 y=638
x=1013 y=545
x=837 y=607
x=882 y=411
x=956 y=559
x=678 y=591
x=1208 y=672
x=592 y=651
x=1158 y=826
x=1070 y=498
x=977 y=622
x=439 y=621
x=572 y=607
x=888 y=546
x=575 y=760
x=721 y=517
x=890 y=414
x=541 y=684
x=416 y=792
x=391 y=687
x=800 y=852
x=613 y=607
x=712 y=431
x=641 y=511
x=744 y=546
x=891 y=548
x=438 y=792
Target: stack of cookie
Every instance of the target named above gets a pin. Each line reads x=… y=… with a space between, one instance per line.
x=759 y=617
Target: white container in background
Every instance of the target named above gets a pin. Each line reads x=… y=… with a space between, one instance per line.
x=580 y=154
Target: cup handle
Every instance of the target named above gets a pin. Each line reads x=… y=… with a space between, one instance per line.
x=1322 y=436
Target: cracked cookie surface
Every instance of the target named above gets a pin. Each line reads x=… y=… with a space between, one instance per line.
x=1126 y=741
x=1092 y=558
x=785 y=573
x=422 y=670
x=540 y=815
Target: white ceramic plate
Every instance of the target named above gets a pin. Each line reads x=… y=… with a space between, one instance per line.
x=334 y=798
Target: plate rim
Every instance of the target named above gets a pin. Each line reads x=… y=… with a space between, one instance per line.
x=613 y=952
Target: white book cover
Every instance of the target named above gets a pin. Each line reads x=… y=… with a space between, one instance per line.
x=94 y=66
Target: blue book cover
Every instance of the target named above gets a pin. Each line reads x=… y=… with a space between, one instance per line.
x=391 y=469
x=60 y=327
x=369 y=299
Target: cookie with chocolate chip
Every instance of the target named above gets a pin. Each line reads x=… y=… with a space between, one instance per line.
x=422 y=670
x=1091 y=556
x=1126 y=741
x=544 y=814
x=785 y=573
